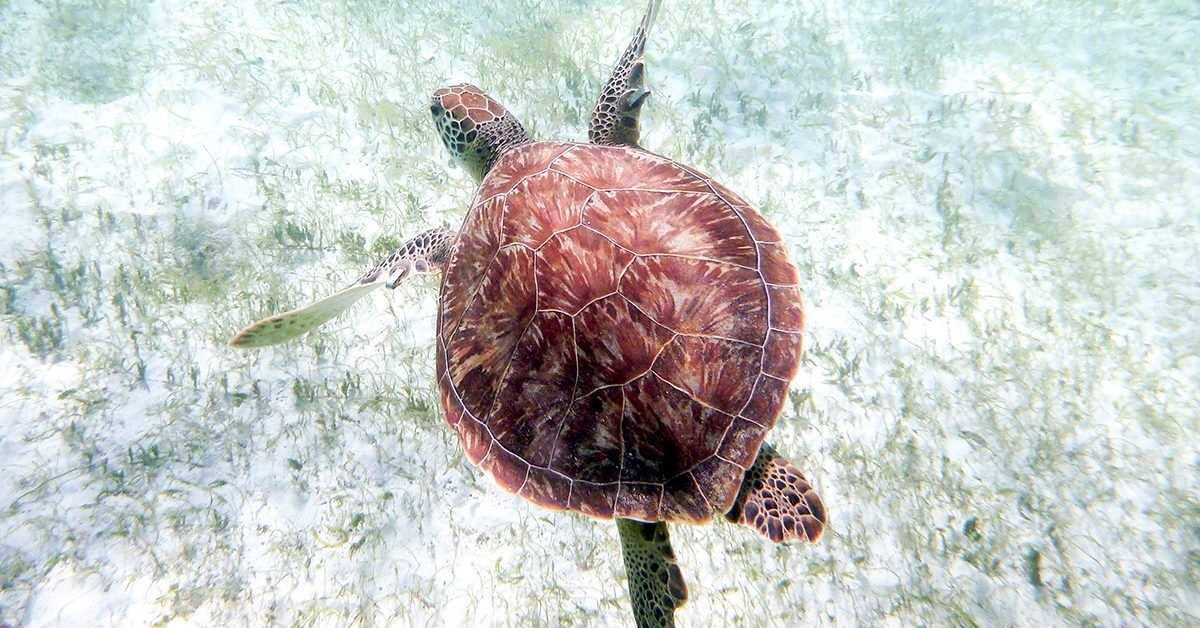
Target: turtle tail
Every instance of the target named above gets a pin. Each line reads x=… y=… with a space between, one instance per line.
x=656 y=586
x=777 y=501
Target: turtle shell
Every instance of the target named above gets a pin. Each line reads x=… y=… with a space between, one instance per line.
x=616 y=332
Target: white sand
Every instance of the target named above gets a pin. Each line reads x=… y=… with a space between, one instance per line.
x=993 y=206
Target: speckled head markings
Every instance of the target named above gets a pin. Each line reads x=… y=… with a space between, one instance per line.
x=475 y=128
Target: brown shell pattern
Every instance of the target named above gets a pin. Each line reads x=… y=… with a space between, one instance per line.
x=616 y=334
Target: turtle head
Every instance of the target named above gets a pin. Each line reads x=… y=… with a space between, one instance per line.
x=475 y=128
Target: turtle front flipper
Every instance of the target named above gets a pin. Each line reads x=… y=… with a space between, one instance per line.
x=615 y=119
x=777 y=501
x=656 y=586
x=422 y=255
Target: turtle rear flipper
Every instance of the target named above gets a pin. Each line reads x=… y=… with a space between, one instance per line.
x=777 y=501
x=615 y=119
x=656 y=585
x=422 y=255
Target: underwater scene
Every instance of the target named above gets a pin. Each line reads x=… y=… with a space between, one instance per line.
x=990 y=212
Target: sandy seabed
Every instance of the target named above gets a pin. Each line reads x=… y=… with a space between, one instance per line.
x=994 y=208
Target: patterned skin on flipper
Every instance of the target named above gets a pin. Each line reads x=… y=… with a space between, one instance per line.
x=425 y=254
x=595 y=361
x=777 y=501
x=656 y=585
x=614 y=121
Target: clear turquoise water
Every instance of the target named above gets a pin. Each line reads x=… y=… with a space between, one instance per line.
x=993 y=206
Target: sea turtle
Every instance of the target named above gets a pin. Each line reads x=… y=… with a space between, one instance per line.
x=616 y=331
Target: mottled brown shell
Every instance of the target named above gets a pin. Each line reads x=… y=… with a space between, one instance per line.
x=616 y=333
